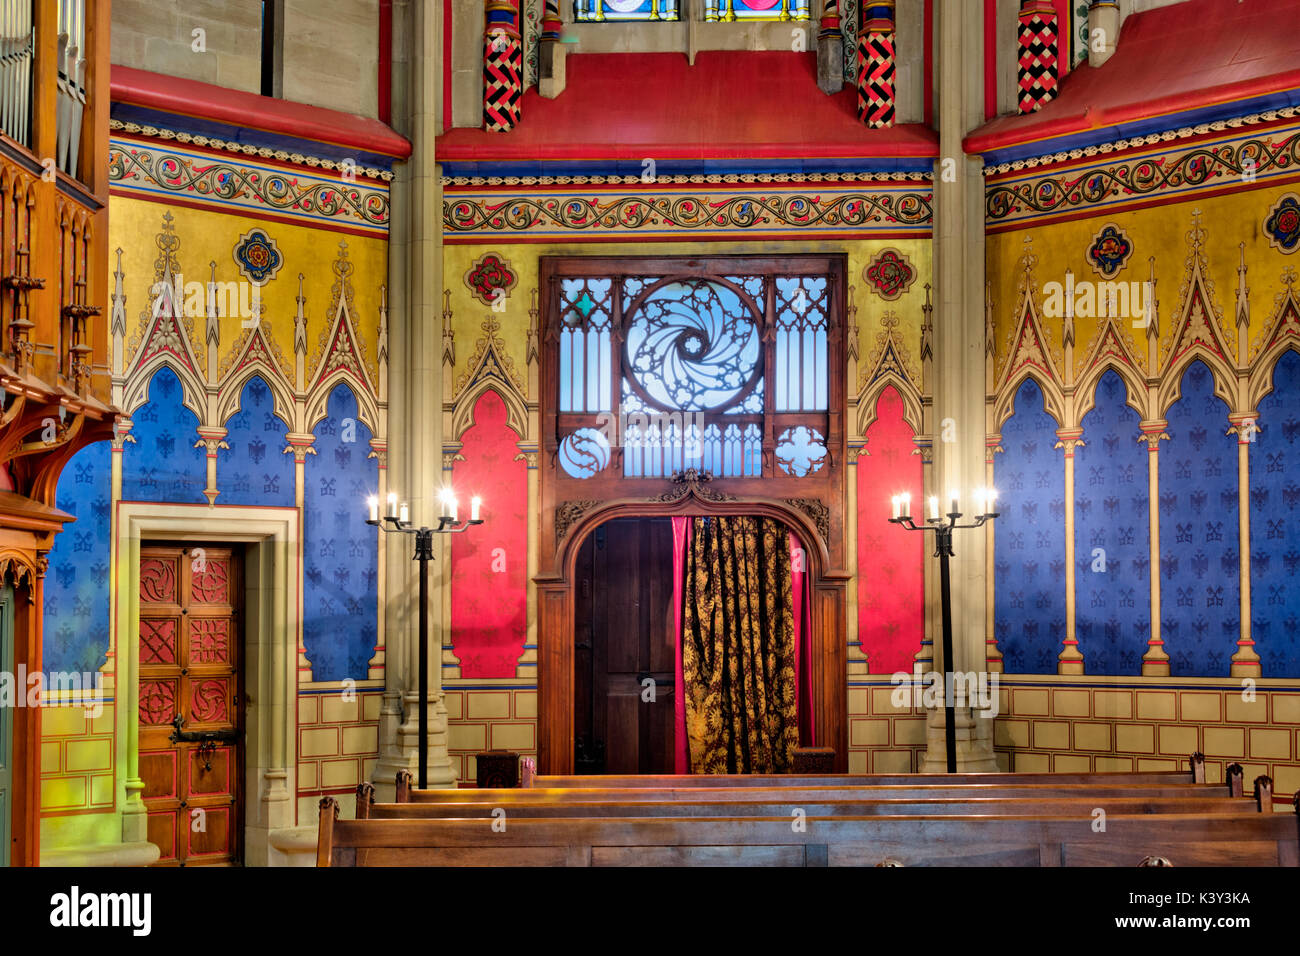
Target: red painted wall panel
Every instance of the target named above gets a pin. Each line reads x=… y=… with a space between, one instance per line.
x=489 y=564
x=890 y=560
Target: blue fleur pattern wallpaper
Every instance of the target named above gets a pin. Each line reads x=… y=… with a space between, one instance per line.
x=1112 y=538
x=341 y=551
x=76 y=636
x=1275 y=524
x=1199 y=563
x=162 y=463
x=1029 y=555
x=255 y=471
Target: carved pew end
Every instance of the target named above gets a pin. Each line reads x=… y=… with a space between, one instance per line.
x=403 y=787
x=1236 y=780
x=1198 y=767
x=329 y=812
x=1264 y=793
x=365 y=797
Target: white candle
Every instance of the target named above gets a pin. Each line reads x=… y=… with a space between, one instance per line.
x=981 y=500
x=373 y=502
x=897 y=503
x=444 y=496
x=952 y=503
x=404 y=515
x=392 y=505
x=905 y=502
x=993 y=497
x=451 y=508
x=934 y=508
x=474 y=504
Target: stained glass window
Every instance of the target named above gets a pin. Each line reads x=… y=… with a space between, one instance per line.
x=726 y=372
x=756 y=9
x=598 y=10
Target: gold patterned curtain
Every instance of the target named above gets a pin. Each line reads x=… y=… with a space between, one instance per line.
x=738 y=646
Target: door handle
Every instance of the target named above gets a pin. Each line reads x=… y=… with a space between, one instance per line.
x=179 y=736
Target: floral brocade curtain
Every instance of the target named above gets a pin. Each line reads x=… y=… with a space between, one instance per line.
x=739 y=646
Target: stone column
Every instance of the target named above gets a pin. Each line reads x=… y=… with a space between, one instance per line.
x=1103 y=31
x=415 y=399
x=958 y=384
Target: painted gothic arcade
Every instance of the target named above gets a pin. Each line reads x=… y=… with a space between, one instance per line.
x=685 y=301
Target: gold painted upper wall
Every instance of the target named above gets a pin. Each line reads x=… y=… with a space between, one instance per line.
x=524 y=259
x=1156 y=232
x=204 y=237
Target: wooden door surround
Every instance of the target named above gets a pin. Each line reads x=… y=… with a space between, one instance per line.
x=555 y=610
x=812 y=503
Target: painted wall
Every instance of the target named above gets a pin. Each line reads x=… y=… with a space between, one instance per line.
x=269 y=393
x=489 y=660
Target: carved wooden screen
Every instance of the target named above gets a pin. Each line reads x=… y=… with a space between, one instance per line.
x=691 y=386
x=723 y=365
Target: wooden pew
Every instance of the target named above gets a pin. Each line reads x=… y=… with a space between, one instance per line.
x=1260 y=839
x=1081 y=807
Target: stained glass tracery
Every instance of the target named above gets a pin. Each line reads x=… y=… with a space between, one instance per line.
x=702 y=368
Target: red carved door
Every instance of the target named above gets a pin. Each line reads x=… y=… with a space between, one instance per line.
x=191 y=729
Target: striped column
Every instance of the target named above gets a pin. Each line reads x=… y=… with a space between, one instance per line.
x=876 y=65
x=1039 y=68
x=503 y=67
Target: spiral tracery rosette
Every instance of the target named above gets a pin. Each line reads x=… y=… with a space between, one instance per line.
x=584 y=452
x=693 y=345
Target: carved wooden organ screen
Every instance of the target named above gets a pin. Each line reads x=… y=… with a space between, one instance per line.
x=726 y=367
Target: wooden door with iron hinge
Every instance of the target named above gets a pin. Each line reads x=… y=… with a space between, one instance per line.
x=191 y=702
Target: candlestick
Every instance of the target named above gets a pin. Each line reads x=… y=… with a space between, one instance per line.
x=392 y=505
x=897 y=503
x=474 y=504
x=905 y=504
x=934 y=508
x=373 y=502
x=404 y=513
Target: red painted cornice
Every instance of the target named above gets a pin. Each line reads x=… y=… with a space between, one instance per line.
x=204 y=101
x=728 y=105
x=1188 y=56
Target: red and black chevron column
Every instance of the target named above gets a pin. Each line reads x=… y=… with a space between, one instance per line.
x=876 y=65
x=1039 y=70
x=503 y=66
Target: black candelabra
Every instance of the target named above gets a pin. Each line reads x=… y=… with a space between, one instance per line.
x=397 y=523
x=943 y=528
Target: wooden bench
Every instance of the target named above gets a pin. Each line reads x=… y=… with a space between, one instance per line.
x=911 y=840
x=1082 y=807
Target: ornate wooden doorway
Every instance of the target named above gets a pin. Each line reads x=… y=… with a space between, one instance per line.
x=190 y=710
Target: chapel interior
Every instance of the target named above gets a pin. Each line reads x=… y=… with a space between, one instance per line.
x=820 y=403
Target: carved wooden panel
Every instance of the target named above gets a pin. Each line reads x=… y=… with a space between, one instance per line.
x=190 y=680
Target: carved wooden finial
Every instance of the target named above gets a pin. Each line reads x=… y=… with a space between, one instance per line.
x=1198 y=767
x=1264 y=793
x=365 y=797
x=403 y=786
x=1154 y=861
x=1236 y=780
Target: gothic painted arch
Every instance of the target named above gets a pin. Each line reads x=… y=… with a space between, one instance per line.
x=869 y=401
x=467 y=402
x=1006 y=403
x=317 y=402
x=136 y=394
x=1109 y=353
x=231 y=389
x=1283 y=336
